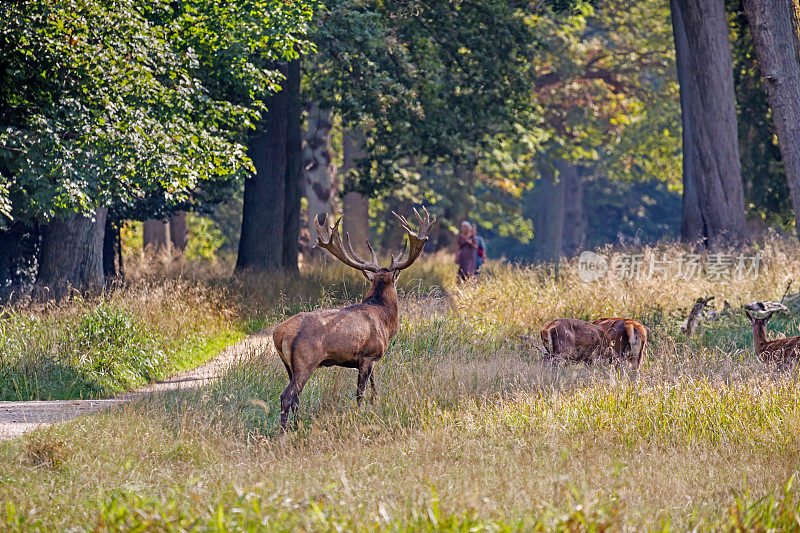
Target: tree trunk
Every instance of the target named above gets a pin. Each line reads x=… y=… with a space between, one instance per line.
x=712 y=170
x=691 y=221
x=71 y=255
x=294 y=169
x=795 y=7
x=574 y=231
x=110 y=241
x=319 y=176
x=355 y=209
x=778 y=60
x=178 y=231
x=19 y=247
x=548 y=217
x=155 y=235
x=261 y=241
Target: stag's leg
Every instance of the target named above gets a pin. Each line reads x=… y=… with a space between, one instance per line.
x=287 y=399
x=364 y=374
x=372 y=382
x=290 y=399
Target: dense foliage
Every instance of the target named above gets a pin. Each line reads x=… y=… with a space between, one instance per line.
x=113 y=104
x=144 y=108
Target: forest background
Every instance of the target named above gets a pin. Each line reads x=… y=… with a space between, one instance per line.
x=556 y=126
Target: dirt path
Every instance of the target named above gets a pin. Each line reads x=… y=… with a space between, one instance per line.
x=17 y=418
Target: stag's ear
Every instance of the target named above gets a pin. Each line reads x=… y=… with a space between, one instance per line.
x=367 y=275
x=766 y=318
x=748 y=315
x=395 y=275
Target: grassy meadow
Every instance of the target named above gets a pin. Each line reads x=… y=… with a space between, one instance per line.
x=470 y=430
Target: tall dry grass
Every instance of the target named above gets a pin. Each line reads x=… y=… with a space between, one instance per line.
x=470 y=429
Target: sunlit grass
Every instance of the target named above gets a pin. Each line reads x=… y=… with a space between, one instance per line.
x=470 y=429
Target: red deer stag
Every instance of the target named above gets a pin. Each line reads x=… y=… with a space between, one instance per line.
x=574 y=339
x=777 y=350
x=355 y=336
x=627 y=338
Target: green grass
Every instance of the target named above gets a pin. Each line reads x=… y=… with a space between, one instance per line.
x=102 y=353
x=470 y=430
x=86 y=349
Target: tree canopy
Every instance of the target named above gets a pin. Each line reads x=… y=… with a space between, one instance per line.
x=142 y=105
x=484 y=110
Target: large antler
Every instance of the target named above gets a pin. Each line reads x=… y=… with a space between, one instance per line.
x=334 y=246
x=415 y=240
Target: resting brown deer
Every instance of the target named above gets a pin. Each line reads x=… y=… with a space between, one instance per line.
x=777 y=350
x=574 y=339
x=626 y=337
x=355 y=336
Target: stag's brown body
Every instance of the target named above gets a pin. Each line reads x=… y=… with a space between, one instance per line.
x=574 y=339
x=627 y=338
x=779 y=350
x=355 y=336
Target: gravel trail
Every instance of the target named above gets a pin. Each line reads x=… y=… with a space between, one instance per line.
x=17 y=418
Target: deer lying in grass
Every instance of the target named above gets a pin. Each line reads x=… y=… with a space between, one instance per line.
x=574 y=339
x=355 y=336
x=626 y=337
x=777 y=350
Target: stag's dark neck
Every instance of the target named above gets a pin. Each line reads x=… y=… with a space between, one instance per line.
x=383 y=295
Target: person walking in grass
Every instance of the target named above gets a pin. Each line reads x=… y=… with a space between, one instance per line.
x=467 y=252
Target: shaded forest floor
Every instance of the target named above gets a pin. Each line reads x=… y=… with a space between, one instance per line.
x=470 y=428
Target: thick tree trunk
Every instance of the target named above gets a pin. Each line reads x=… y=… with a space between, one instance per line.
x=261 y=241
x=557 y=212
x=691 y=222
x=355 y=208
x=777 y=52
x=71 y=256
x=294 y=169
x=110 y=242
x=574 y=232
x=319 y=177
x=178 y=231
x=712 y=171
x=19 y=249
x=795 y=7
x=548 y=218
x=155 y=235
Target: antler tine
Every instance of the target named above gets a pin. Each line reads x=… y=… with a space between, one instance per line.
x=403 y=221
x=374 y=256
x=372 y=264
x=323 y=229
x=334 y=245
x=416 y=240
x=402 y=252
x=427 y=222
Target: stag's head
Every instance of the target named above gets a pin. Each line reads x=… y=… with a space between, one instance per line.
x=759 y=323
x=331 y=240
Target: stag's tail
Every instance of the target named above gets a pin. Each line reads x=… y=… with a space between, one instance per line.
x=547 y=341
x=283 y=345
x=636 y=342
